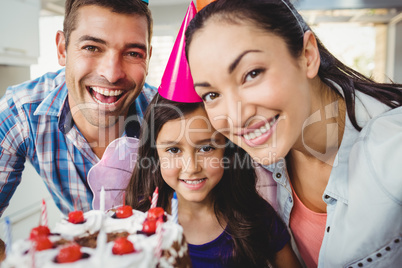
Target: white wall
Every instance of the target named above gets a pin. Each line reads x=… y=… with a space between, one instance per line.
x=11 y=75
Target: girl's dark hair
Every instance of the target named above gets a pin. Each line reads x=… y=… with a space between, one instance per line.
x=281 y=18
x=236 y=199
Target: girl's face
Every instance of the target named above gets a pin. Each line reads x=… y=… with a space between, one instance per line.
x=255 y=92
x=190 y=151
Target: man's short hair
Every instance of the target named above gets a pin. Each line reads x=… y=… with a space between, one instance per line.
x=132 y=7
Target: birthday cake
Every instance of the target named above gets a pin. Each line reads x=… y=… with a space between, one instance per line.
x=120 y=237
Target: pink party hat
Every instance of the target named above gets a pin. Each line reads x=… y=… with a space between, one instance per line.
x=177 y=83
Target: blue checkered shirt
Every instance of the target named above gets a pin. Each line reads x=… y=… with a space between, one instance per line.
x=34 y=125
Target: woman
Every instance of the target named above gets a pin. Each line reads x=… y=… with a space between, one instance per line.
x=331 y=137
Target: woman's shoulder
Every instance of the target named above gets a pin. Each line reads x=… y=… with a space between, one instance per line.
x=382 y=136
x=381 y=145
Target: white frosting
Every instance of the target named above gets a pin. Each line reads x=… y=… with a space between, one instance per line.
x=92 y=224
x=131 y=224
x=102 y=256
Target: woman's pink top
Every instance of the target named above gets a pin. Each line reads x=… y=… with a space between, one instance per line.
x=308 y=228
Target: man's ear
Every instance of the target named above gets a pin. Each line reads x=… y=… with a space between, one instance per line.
x=61 y=48
x=311 y=54
x=149 y=59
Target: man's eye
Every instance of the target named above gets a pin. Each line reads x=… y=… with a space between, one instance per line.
x=91 y=48
x=136 y=54
x=210 y=96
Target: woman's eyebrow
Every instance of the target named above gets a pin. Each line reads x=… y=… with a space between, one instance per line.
x=236 y=62
x=204 y=84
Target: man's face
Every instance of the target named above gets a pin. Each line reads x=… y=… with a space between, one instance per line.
x=106 y=64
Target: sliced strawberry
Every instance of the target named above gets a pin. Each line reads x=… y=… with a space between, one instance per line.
x=122 y=246
x=124 y=212
x=149 y=226
x=155 y=213
x=39 y=231
x=69 y=253
x=42 y=243
x=76 y=217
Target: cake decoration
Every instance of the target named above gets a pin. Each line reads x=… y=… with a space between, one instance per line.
x=76 y=216
x=122 y=246
x=104 y=241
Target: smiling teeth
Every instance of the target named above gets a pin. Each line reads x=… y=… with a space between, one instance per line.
x=258 y=132
x=194 y=182
x=107 y=92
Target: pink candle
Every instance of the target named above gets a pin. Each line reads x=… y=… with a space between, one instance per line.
x=32 y=252
x=44 y=213
x=159 y=236
x=154 y=198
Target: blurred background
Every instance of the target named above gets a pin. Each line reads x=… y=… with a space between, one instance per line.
x=365 y=34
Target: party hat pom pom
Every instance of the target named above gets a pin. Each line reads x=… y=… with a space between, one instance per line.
x=202 y=3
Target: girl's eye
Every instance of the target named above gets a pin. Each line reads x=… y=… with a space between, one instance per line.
x=253 y=74
x=206 y=148
x=173 y=150
x=210 y=96
x=91 y=48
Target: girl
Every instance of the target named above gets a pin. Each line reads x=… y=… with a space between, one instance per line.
x=225 y=221
x=331 y=137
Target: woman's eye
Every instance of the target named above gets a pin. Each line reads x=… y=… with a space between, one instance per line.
x=207 y=148
x=251 y=75
x=210 y=96
x=173 y=150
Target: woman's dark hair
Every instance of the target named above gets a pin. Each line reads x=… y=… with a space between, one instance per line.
x=282 y=19
x=236 y=199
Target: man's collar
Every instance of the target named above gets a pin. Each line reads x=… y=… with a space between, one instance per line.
x=53 y=103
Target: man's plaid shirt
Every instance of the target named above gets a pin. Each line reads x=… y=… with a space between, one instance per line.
x=35 y=124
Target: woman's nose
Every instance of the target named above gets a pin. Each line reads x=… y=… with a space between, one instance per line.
x=238 y=111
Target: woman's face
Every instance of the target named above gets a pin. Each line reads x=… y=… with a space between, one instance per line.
x=254 y=92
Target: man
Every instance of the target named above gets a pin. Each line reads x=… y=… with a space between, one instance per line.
x=63 y=122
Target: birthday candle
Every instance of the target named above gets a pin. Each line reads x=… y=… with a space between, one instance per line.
x=159 y=236
x=32 y=251
x=102 y=199
x=155 y=198
x=44 y=213
x=101 y=242
x=7 y=231
x=102 y=236
x=175 y=208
